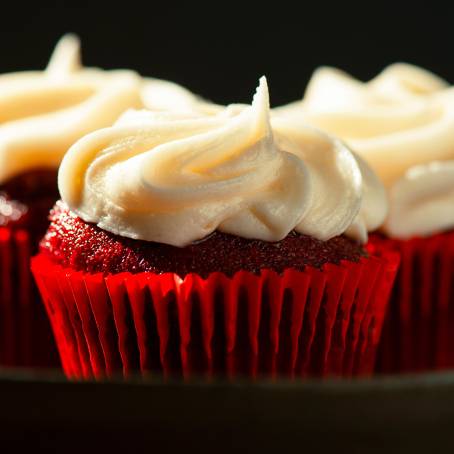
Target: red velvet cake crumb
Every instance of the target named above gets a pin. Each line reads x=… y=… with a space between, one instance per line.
x=71 y=242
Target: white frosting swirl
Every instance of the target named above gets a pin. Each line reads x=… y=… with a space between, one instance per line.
x=42 y=113
x=402 y=124
x=175 y=178
x=162 y=95
x=322 y=154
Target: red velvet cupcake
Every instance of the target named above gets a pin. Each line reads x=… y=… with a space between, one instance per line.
x=402 y=124
x=42 y=114
x=214 y=246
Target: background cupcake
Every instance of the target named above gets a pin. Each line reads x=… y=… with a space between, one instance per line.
x=402 y=124
x=197 y=245
x=42 y=113
x=163 y=95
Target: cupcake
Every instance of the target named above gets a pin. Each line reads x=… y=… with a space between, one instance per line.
x=214 y=245
x=42 y=113
x=402 y=124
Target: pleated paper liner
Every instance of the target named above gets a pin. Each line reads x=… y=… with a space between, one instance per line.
x=296 y=324
x=419 y=329
x=25 y=334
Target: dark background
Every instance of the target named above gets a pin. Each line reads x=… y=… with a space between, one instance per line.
x=220 y=51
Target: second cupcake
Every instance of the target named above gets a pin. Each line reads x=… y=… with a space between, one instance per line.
x=402 y=123
x=42 y=113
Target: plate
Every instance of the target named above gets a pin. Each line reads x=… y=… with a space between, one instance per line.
x=387 y=414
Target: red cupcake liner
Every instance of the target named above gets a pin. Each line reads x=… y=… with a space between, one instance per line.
x=418 y=333
x=315 y=322
x=25 y=334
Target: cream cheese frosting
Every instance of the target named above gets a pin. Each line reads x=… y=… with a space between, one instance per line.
x=174 y=178
x=42 y=113
x=402 y=124
x=162 y=95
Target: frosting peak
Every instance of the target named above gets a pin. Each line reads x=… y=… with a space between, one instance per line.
x=42 y=113
x=175 y=178
x=66 y=57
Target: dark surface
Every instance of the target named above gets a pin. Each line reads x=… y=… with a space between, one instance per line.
x=74 y=243
x=220 y=50
x=402 y=415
